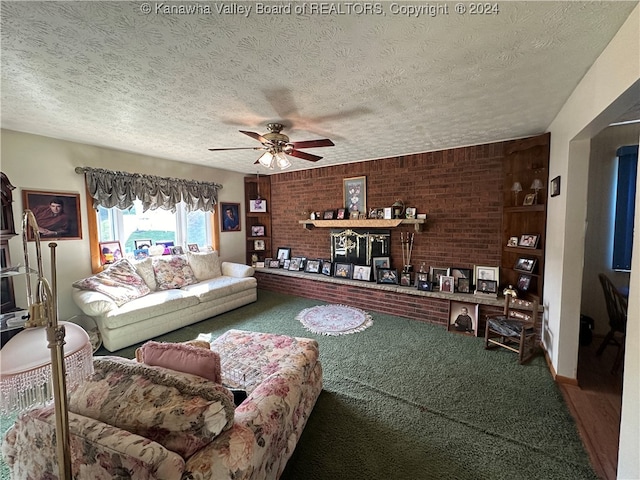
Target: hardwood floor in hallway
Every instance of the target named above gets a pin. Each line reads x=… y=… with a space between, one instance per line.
x=596 y=406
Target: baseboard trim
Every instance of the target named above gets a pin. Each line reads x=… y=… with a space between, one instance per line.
x=558 y=378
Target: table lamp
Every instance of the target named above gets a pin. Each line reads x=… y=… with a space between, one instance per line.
x=536 y=185
x=27 y=376
x=516 y=188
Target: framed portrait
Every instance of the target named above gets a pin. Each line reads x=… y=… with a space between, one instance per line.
x=140 y=253
x=176 y=250
x=258 y=245
x=405 y=279
x=340 y=214
x=388 y=275
x=258 y=205
x=328 y=215
x=312 y=266
x=257 y=230
x=463 y=318
x=230 y=217
x=362 y=272
x=294 y=264
x=525 y=265
x=423 y=283
x=461 y=273
x=193 y=247
x=554 y=187
x=487 y=287
x=342 y=270
x=529 y=199
x=379 y=262
x=326 y=267
x=435 y=273
x=464 y=285
x=524 y=282
x=486 y=273
x=513 y=242
x=354 y=191
x=410 y=212
x=57 y=214
x=274 y=263
x=529 y=240
x=286 y=264
x=446 y=284
x=284 y=253
x=260 y=264
x=110 y=252
x=142 y=243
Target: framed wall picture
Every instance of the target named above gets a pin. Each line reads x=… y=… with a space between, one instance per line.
x=110 y=252
x=388 y=275
x=258 y=205
x=257 y=231
x=354 y=191
x=463 y=318
x=138 y=244
x=529 y=240
x=525 y=265
x=342 y=270
x=230 y=217
x=554 y=188
x=258 y=245
x=57 y=214
x=362 y=272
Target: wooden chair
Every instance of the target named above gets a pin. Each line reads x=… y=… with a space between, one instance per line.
x=515 y=330
x=617 y=311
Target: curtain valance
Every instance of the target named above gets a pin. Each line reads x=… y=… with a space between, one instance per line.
x=119 y=189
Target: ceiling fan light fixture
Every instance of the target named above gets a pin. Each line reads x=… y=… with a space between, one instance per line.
x=282 y=160
x=266 y=160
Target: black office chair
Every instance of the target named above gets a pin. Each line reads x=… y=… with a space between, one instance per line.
x=617 y=310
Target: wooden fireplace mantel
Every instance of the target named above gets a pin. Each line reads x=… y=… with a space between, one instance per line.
x=364 y=223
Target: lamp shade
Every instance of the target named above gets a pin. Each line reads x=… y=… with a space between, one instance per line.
x=516 y=187
x=537 y=184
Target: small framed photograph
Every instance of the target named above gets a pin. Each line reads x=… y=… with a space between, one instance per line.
x=340 y=215
x=464 y=285
x=312 y=266
x=554 y=188
x=342 y=270
x=525 y=265
x=387 y=213
x=257 y=230
x=286 y=264
x=459 y=273
x=140 y=253
x=167 y=244
x=355 y=194
x=176 y=250
x=284 y=253
x=373 y=213
x=435 y=273
x=513 y=242
x=379 y=262
x=524 y=282
x=193 y=247
x=529 y=199
x=487 y=287
x=142 y=244
x=230 y=217
x=259 y=205
x=463 y=318
x=258 y=245
x=486 y=273
x=388 y=275
x=110 y=252
x=405 y=279
x=422 y=283
x=274 y=263
x=529 y=240
x=446 y=284
x=362 y=272
x=326 y=267
x=259 y=264
x=328 y=215
x=57 y=214
x=294 y=264
x=410 y=212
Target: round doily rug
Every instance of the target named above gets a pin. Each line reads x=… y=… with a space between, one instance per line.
x=334 y=319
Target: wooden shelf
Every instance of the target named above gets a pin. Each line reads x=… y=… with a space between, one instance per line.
x=368 y=223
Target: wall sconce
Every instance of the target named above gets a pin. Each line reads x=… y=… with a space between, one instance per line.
x=536 y=185
x=516 y=188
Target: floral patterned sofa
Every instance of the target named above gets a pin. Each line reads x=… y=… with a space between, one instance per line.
x=124 y=422
x=131 y=302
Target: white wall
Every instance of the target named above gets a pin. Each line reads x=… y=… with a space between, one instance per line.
x=34 y=162
x=600 y=221
x=607 y=90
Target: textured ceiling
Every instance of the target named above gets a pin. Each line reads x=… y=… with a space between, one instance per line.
x=171 y=84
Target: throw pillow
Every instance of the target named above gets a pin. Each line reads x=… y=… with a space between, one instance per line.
x=182 y=412
x=145 y=270
x=205 y=265
x=172 y=272
x=183 y=358
x=119 y=281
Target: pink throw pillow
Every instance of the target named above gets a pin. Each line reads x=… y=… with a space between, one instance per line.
x=183 y=358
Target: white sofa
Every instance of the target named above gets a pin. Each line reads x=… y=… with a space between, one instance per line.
x=154 y=309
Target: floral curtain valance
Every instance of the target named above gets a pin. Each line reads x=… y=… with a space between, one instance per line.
x=120 y=189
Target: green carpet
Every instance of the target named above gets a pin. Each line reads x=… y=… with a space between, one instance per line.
x=409 y=400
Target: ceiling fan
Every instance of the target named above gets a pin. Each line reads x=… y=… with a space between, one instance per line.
x=277 y=146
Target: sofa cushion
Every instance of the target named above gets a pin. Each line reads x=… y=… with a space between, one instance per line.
x=120 y=281
x=214 y=289
x=182 y=358
x=145 y=270
x=205 y=265
x=180 y=411
x=172 y=272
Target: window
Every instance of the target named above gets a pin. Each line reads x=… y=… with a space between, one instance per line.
x=625 y=207
x=158 y=225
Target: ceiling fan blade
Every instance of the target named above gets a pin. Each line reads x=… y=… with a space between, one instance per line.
x=235 y=148
x=304 y=155
x=256 y=136
x=325 y=142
